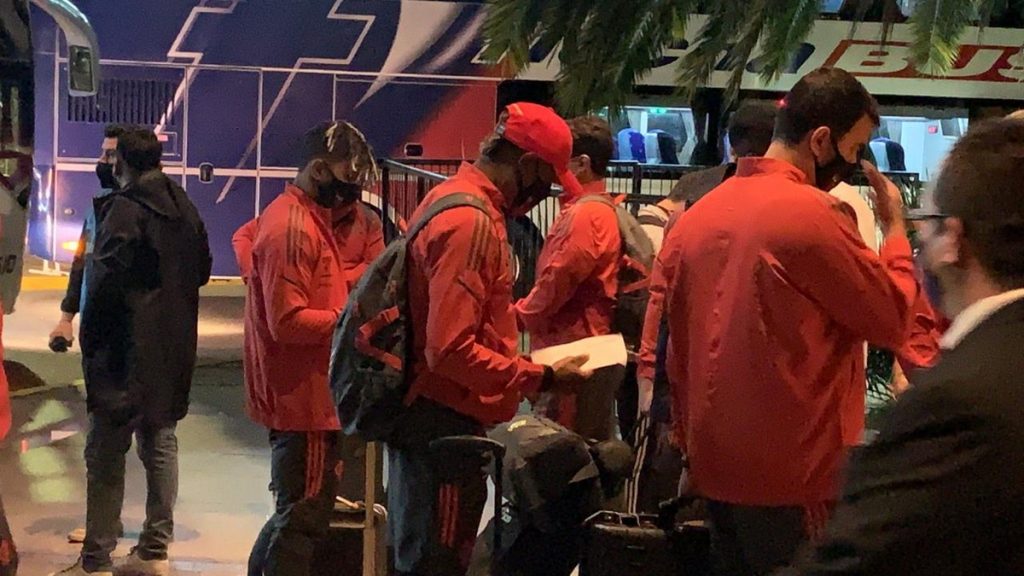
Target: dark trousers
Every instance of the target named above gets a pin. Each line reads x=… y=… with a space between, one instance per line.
x=304 y=471
x=626 y=400
x=434 y=506
x=107 y=444
x=8 y=553
x=658 y=465
x=591 y=413
x=754 y=540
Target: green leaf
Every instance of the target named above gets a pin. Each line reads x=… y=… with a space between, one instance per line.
x=509 y=29
x=987 y=9
x=938 y=26
x=788 y=23
x=725 y=19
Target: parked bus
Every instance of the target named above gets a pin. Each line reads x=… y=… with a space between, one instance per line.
x=17 y=117
x=230 y=86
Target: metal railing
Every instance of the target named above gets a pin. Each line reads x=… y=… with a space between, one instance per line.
x=405 y=183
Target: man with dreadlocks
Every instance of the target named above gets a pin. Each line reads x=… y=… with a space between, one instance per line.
x=297 y=287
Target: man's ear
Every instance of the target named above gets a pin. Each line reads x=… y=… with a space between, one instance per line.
x=949 y=247
x=319 y=169
x=821 y=143
x=529 y=165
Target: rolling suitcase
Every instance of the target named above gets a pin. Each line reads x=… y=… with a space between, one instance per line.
x=617 y=544
x=356 y=538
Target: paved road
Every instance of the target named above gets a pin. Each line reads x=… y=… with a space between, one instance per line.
x=224 y=461
x=223 y=489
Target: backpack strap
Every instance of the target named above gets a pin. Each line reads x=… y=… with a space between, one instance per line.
x=444 y=204
x=598 y=198
x=653 y=219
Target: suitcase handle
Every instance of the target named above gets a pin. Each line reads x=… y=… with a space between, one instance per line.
x=470 y=445
x=669 y=509
x=617 y=518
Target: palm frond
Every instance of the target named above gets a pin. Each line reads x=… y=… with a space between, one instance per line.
x=741 y=51
x=510 y=29
x=786 y=26
x=937 y=27
x=987 y=9
x=891 y=15
x=863 y=7
x=590 y=73
x=726 y=18
x=561 y=23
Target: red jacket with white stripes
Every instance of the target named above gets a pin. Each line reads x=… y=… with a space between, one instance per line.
x=296 y=292
x=460 y=291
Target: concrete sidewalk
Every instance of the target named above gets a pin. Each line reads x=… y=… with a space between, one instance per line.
x=224 y=460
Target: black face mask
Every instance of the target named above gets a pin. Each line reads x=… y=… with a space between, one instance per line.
x=329 y=194
x=827 y=176
x=529 y=196
x=105 y=173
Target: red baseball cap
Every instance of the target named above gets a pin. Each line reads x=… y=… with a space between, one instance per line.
x=538 y=129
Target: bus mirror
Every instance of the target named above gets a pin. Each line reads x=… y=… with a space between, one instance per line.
x=81 y=74
x=83 y=49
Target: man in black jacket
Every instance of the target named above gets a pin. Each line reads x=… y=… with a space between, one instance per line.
x=138 y=336
x=70 y=306
x=941 y=491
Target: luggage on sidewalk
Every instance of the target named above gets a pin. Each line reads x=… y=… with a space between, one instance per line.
x=554 y=480
x=645 y=545
x=356 y=541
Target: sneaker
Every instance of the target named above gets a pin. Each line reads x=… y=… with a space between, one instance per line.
x=133 y=565
x=77 y=570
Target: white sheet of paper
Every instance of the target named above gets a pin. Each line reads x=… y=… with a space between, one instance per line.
x=603 y=351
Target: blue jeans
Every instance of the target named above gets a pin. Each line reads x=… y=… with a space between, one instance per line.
x=105 y=449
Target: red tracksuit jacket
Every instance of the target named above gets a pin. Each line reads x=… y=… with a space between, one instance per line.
x=773 y=296
x=460 y=291
x=296 y=291
x=573 y=296
x=357 y=230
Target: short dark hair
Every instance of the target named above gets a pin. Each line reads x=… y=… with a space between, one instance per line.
x=980 y=184
x=340 y=140
x=751 y=127
x=113 y=130
x=592 y=136
x=140 y=149
x=829 y=97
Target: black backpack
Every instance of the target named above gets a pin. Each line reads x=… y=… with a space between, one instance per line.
x=371 y=353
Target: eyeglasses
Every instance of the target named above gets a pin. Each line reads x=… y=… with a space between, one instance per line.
x=921 y=215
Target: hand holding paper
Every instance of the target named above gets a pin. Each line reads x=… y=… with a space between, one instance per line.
x=602 y=351
x=569 y=374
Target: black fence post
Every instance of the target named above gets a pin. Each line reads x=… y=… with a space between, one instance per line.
x=385 y=203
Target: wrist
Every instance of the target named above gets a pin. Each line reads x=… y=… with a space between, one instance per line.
x=547 y=381
x=67 y=317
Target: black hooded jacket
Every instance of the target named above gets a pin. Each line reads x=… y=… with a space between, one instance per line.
x=141 y=307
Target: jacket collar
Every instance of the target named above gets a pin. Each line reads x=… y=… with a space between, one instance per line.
x=978 y=314
x=595 y=188
x=479 y=180
x=770 y=167
x=307 y=202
